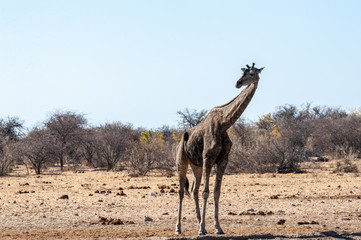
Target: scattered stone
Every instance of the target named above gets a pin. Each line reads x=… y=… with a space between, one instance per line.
x=22 y=192
x=232 y=213
x=274 y=197
x=154 y=194
x=121 y=193
x=100 y=200
x=307 y=223
x=90 y=194
x=76 y=214
x=322 y=202
x=64 y=196
x=165 y=213
x=346 y=219
x=14 y=214
x=148 y=219
x=13 y=202
x=43 y=216
x=281 y=222
x=120 y=189
x=110 y=221
x=73 y=201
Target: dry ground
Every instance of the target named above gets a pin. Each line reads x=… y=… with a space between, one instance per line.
x=252 y=205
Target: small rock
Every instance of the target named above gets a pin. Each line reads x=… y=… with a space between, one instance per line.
x=257 y=219
x=43 y=216
x=64 y=196
x=14 y=214
x=330 y=197
x=148 y=219
x=322 y=202
x=154 y=194
x=346 y=218
x=76 y=214
x=281 y=222
x=165 y=213
x=274 y=197
x=73 y=201
x=251 y=210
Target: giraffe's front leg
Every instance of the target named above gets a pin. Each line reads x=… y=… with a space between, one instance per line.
x=221 y=167
x=217 y=194
x=207 y=167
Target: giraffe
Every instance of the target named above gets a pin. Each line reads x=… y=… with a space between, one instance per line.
x=207 y=145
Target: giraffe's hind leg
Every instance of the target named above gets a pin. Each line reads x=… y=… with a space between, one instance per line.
x=197 y=172
x=182 y=165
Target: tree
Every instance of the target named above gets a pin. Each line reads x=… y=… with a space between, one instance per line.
x=113 y=141
x=190 y=118
x=10 y=133
x=65 y=129
x=36 y=147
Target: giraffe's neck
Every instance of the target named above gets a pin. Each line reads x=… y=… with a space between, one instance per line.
x=233 y=110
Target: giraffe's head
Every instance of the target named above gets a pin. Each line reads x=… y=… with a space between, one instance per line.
x=250 y=75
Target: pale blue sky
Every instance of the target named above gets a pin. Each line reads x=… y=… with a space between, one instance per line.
x=141 y=61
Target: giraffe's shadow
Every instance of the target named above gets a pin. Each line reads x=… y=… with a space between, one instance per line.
x=316 y=235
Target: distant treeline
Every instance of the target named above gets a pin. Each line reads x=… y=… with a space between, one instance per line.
x=277 y=142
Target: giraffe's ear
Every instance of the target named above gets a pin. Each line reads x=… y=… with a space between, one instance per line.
x=243 y=69
x=260 y=70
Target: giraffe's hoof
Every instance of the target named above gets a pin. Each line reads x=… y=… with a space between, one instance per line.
x=202 y=232
x=219 y=231
x=178 y=232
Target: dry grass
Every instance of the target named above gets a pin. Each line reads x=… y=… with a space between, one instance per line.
x=30 y=206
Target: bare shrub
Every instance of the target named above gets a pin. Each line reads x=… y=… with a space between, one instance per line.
x=346 y=166
x=89 y=147
x=113 y=143
x=191 y=118
x=10 y=133
x=66 y=130
x=36 y=148
x=6 y=158
x=150 y=153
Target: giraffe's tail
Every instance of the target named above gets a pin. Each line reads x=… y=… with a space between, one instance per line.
x=186 y=187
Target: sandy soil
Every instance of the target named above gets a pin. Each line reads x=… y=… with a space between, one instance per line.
x=317 y=204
